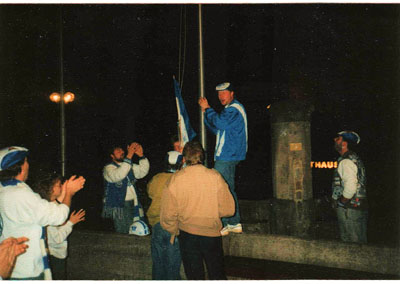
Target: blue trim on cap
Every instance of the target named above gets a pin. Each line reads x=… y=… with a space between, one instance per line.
x=12 y=158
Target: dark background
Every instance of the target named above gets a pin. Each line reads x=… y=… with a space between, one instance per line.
x=119 y=61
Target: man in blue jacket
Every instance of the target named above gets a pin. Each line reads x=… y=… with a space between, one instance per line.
x=230 y=127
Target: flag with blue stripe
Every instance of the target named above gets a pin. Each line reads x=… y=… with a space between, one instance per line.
x=186 y=132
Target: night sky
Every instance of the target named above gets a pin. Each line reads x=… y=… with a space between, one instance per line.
x=119 y=61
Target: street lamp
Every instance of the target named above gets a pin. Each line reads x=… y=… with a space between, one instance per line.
x=68 y=97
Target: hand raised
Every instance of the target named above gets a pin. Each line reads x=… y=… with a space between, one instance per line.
x=77 y=217
x=75 y=184
x=63 y=192
x=203 y=103
x=9 y=250
x=139 y=150
x=131 y=150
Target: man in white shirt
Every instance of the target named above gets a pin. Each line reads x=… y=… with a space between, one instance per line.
x=25 y=213
x=349 y=190
x=121 y=202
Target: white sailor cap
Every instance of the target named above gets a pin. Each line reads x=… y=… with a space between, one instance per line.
x=350 y=136
x=224 y=86
x=11 y=155
x=174 y=157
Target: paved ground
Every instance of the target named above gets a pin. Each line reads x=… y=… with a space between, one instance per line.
x=255 y=269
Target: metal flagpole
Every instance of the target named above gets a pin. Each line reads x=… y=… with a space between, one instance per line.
x=203 y=136
x=62 y=110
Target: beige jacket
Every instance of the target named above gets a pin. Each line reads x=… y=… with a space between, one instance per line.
x=194 y=201
x=154 y=189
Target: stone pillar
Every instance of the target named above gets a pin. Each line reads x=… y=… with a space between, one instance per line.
x=292 y=205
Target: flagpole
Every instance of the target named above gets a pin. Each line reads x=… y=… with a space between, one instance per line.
x=179 y=123
x=203 y=136
x=62 y=107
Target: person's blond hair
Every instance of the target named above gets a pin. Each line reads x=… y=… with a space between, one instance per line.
x=193 y=153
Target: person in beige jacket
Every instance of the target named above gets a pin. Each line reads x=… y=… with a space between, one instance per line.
x=192 y=205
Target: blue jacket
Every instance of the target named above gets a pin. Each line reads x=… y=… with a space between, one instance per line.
x=230 y=127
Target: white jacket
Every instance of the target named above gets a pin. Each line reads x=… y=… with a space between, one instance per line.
x=57 y=239
x=24 y=213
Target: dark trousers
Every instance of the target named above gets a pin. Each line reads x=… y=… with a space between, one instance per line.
x=58 y=268
x=195 y=249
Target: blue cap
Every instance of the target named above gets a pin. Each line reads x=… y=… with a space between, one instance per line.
x=350 y=136
x=224 y=86
x=11 y=155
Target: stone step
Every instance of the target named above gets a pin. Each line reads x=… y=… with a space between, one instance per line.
x=108 y=265
x=258 y=269
x=108 y=242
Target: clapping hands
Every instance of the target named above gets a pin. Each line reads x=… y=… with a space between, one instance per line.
x=72 y=186
x=9 y=250
x=77 y=217
x=134 y=148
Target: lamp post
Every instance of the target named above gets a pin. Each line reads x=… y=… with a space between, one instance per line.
x=68 y=97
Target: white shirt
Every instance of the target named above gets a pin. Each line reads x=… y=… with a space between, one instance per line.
x=347 y=170
x=114 y=174
x=57 y=239
x=24 y=213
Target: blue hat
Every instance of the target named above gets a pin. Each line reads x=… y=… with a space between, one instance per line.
x=350 y=136
x=224 y=86
x=11 y=155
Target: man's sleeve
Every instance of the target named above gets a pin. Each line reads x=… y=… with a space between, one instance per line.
x=113 y=174
x=212 y=128
x=347 y=170
x=226 y=203
x=169 y=212
x=32 y=208
x=142 y=169
x=150 y=188
x=225 y=120
x=56 y=235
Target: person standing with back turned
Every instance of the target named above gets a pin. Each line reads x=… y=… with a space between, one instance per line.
x=192 y=205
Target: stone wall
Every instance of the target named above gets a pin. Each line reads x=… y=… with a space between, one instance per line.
x=111 y=256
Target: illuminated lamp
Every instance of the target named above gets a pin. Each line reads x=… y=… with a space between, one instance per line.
x=55 y=97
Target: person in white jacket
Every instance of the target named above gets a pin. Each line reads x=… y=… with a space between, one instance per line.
x=58 y=244
x=24 y=213
x=50 y=187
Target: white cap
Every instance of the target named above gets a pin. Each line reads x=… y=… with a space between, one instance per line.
x=224 y=86
x=174 y=157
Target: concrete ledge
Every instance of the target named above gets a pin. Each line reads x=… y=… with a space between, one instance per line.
x=97 y=255
x=107 y=256
x=333 y=254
